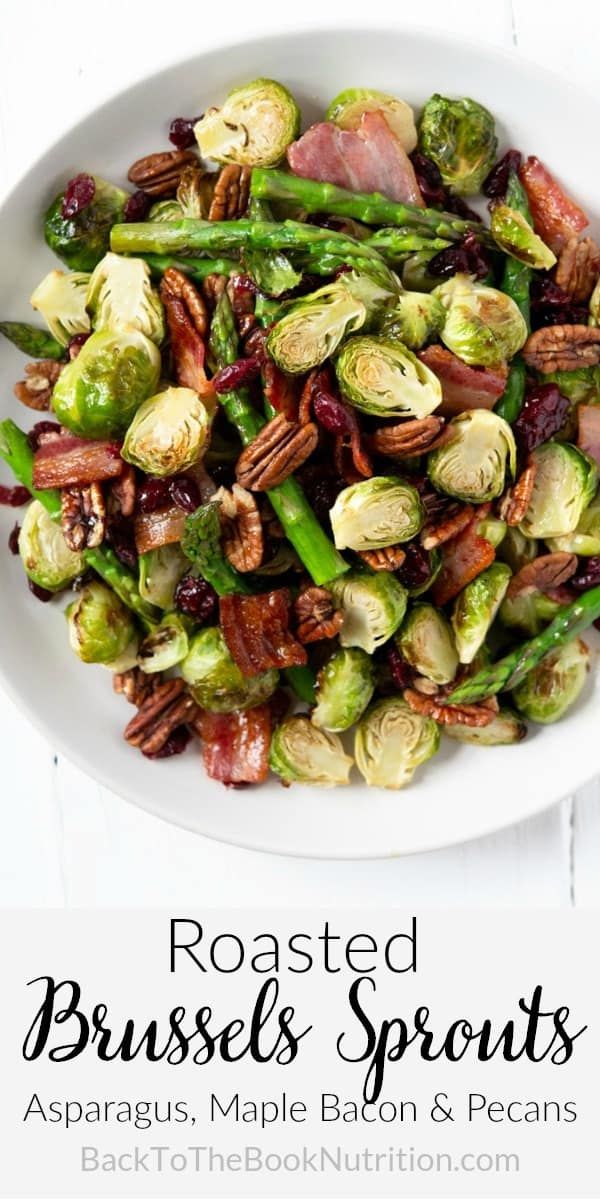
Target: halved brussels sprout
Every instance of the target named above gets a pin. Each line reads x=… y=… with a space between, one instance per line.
x=529 y=612
x=460 y=137
x=381 y=376
x=120 y=297
x=595 y=305
x=344 y=688
x=475 y=608
x=472 y=466
x=581 y=386
x=493 y=529
x=554 y=685
x=415 y=318
x=101 y=628
x=483 y=326
x=81 y=240
x=216 y=681
x=347 y=109
x=415 y=276
x=313 y=327
x=513 y=234
x=253 y=127
x=375 y=513
x=506 y=729
x=516 y=549
x=169 y=432
x=565 y=483
x=392 y=741
x=159 y=573
x=301 y=753
x=60 y=298
x=45 y=555
x=426 y=642
x=166 y=210
x=165 y=646
x=373 y=606
x=97 y=393
x=585 y=539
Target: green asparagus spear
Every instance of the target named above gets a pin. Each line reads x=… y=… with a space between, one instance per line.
x=511 y=669
x=16 y=451
x=196 y=268
x=272 y=272
x=397 y=244
x=37 y=343
x=106 y=564
x=516 y=282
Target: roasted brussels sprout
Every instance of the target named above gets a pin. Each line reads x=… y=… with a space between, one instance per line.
x=493 y=529
x=392 y=741
x=472 y=466
x=513 y=234
x=253 y=127
x=120 y=297
x=415 y=319
x=381 y=376
x=60 y=298
x=581 y=386
x=159 y=573
x=313 y=327
x=483 y=326
x=347 y=108
x=426 y=642
x=460 y=137
x=216 y=681
x=585 y=539
x=375 y=513
x=165 y=646
x=81 y=240
x=101 y=628
x=565 y=483
x=516 y=549
x=506 y=729
x=344 y=688
x=373 y=606
x=302 y=753
x=475 y=608
x=554 y=685
x=415 y=276
x=44 y=553
x=166 y=210
x=168 y=433
x=528 y=611
x=98 y=392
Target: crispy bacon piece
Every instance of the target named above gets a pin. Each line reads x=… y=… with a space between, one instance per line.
x=588 y=436
x=256 y=629
x=281 y=391
x=69 y=461
x=235 y=746
x=159 y=528
x=463 y=558
x=555 y=217
x=368 y=159
x=463 y=387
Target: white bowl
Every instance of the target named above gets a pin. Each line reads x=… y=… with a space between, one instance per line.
x=465 y=791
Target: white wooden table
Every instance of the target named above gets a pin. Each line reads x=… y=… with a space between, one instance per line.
x=65 y=841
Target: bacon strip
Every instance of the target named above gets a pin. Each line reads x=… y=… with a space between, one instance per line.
x=281 y=391
x=555 y=217
x=588 y=436
x=463 y=387
x=159 y=528
x=463 y=558
x=368 y=159
x=72 y=461
x=256 y=630
x=235 y=746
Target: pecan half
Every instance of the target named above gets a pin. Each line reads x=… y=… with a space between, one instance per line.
x=407 y=438
x=167 y=707
x=390 y=558
x=212 y=289
x=452 y=714
x=135 y=685
x=122 y=493
x=562 y=348
x=278 y=450
x=175 y=285
x=515 y=502
x=187 y=319
x=35 y=391
x=241 y=528
x=578 y=268
x=160 y=174
x=441 y=527
x=230 y=197
x=546 y=571
x=83 y=516
x=316 y=616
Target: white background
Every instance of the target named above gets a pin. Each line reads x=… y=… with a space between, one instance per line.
x=66 y=841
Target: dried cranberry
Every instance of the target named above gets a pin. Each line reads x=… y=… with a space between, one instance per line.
x=40 y=433
x=137 y=207
x=236 y=375
x=415 y=569
x=322 y=487
x=175 y=744
x=543 y=414
x=153 y=494
x=255 y=345
x=181 y=132
x=76 y=343
x=400 y=671
x=588 y=575
x=550 y=305
x=79 y=192
x=13 y=539
x=429 y=179
x=468 y=256
x=120 y=535
x=495 y=183
x=456 y=204
x=223 y=474
x=184 y=493
x=333 y=415
x=40 y=593
x=14 y=497
x=196 y=598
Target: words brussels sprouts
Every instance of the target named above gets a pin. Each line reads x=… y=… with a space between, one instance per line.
x=554 y=685
x=165 y=646
x=426 y=642
x=98 y=392
x=60 y=298
x=392 y=741
x=513 y=234
x=475 y=608
x=253 y=127
x=120 y=297
x=344 y=688
x=302 y=753
x=505 y=730
x=44 y=553
x=101 y=628
x=381 y=376
x=375 y=513
x=565 y=483
x=472 y=466
x=160 y=571
x=168 y=433
x=216 y=681
x=415 y=318
x=373 y=606
x=585 y=539
x=483 y=326
x=347 y=109
x=460 y=137
x=82 y=239
x=314 y=326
